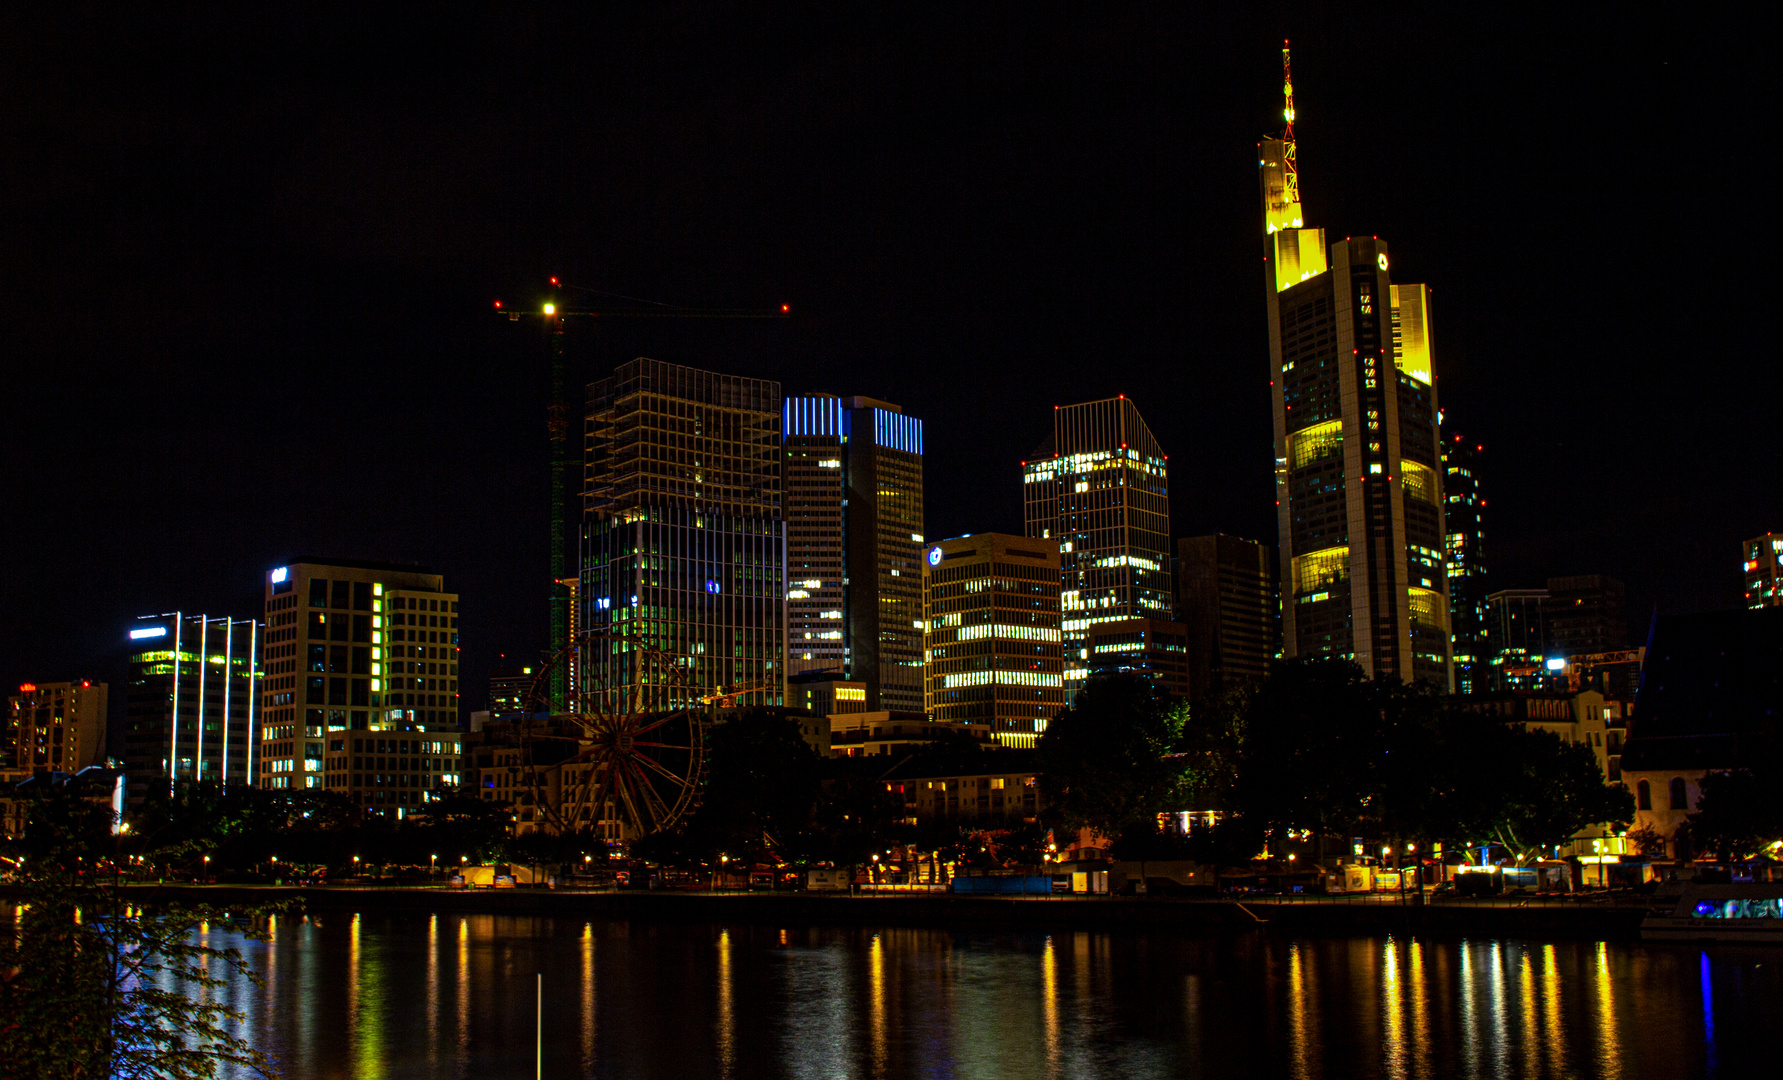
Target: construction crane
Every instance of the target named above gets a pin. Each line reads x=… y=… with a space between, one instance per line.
x=553 y=315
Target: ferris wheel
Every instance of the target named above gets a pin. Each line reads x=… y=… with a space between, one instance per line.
x=626 y=759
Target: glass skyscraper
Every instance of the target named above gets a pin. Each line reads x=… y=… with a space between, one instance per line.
x=192 y=711
x=1359 y=484
x=1462 y=507
x=1098 y=487
x=683 y=539
x=854 y=520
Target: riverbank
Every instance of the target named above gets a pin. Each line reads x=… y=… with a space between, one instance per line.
x=1275 y=915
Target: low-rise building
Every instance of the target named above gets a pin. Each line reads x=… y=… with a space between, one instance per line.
x=985 y=787
x=1709 y=691
x=869 y=734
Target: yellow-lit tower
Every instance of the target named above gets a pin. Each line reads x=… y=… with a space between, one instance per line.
x=1357 y=458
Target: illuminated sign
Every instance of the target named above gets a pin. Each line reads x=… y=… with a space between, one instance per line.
x=148 y=632
x=711 y=586
x=934 y=556
x=279 y=575
x=1382 y=260
x=1557 y=664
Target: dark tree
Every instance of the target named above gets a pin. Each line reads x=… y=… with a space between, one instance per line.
x=1108 y=763
x=1738 y=815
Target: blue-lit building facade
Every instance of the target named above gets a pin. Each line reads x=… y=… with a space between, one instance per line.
x=1098 y=487
x=683 y=541
x=854 y=527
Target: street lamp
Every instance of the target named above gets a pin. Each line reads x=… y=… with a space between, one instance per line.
x=431 y=860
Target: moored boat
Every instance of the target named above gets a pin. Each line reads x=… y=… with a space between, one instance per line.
x=1746 y=913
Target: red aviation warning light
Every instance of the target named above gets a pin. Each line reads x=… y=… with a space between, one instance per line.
x=553 y=281
x=785 y=309
x=498 y=305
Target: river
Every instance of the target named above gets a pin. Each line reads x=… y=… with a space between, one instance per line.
x=380 y=995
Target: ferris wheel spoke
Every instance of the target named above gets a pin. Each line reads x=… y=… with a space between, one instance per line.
x=641 y=729
x=658 y=808
x=647 y=760
x=661 y=745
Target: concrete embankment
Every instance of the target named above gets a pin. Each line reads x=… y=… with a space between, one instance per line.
x=1547 y=920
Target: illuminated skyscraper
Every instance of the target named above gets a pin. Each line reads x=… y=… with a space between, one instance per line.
x=1763 y=568
x=1462 y=507
x=358 y=656
x=683 y=541
x=1359 y=488
x=854 y=531
x=991 y=606
x=1098 y=487
x=192 y=710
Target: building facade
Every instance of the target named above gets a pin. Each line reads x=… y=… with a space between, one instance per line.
x=55 y=727
x=1098 y=487
x=683 y=581
x=509 y=688
x=355 y=648
x=1228 y=598
x=1466 y=541
x=1763 y=569
x=1586 y=615
x=992 y=643
x=1155 y=648
x=1359 y=480
x=1516 y=635
x=193 y=708
x=854 y=534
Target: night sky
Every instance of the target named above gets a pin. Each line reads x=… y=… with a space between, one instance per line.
x=249 y=260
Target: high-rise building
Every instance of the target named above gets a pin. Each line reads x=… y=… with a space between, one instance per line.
x=1155 y=648
x=508 y=690
x=358 y=647
x=55 y=727
x=1462 y=506
x=1763 y=568
x=1228 y=598
x=193 y=708
x=1516 y=636
x=1098 y=487
x=854 y=533
x=683 y=539
x=1359 y=486
x=991 y=608
x=1585 y=615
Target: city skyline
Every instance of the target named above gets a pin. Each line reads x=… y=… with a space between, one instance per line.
x=940 y=311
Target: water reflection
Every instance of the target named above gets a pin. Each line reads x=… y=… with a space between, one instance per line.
x=399 y=997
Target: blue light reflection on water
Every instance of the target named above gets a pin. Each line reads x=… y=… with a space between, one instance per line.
x=378 y=995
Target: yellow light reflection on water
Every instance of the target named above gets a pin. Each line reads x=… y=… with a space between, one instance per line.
x=1049 y=1005
x=727 y=1035
x=366 y=994
x=876 y=989
x=588 y=997
x=1302 y=1021
x=1421 y=1040
x=1392 y=1010
x=433 y=990
x=463 y=987
x=1609 y=1047
x=1555 y=1025
x=1532 y=1049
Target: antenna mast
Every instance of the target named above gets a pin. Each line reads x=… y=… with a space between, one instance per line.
x=1290 y=169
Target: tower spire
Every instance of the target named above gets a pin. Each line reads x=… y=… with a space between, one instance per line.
x=1290 y=169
